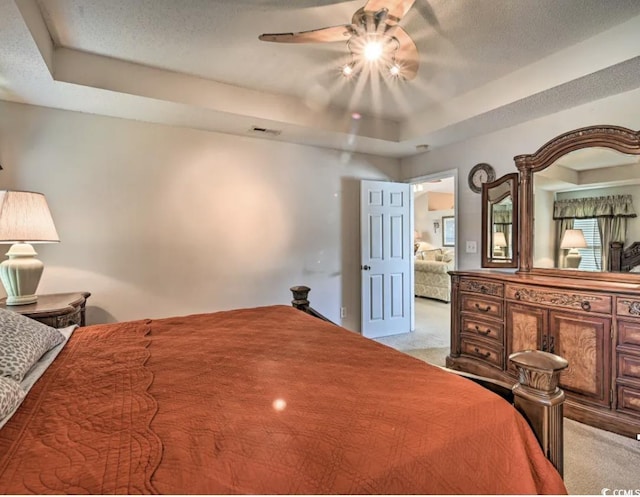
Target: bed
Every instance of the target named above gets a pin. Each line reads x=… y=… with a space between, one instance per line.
x=624 y=259
x=266 y=400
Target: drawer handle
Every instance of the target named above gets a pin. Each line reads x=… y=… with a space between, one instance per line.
x=552 y=345
x=634 y=308
x=482 y=332
x=481 y=354
x=517 y=295
x=483 y=309
x=544 y=343
x=586 y=306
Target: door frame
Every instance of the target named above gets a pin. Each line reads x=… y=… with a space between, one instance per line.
x=422 y=179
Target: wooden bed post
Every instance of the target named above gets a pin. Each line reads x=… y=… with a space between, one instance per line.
x=615 y=256
x=300 y=297
x=300 y=301
x=540 y=400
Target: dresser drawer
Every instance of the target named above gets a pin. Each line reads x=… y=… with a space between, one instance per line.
x=564 y=299
x=629 y=400
x=487 y=329
x=483 y=287
x=482 y=306
x=628 y=307
x=628 y=366
x=483 y=351
x=629 y=333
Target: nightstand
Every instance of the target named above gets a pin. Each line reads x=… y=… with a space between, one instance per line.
x=57 y=309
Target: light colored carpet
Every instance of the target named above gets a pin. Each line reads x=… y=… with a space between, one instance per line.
x=433 y=320
x=594 y=459
x=432 y=356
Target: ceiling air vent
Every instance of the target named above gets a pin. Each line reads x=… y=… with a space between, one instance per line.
x=265 y=131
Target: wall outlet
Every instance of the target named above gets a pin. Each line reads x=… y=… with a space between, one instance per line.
x=343 y=312
x=472 y=247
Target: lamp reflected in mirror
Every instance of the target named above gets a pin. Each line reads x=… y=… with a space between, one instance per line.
x=499 y=244
x=573 y=240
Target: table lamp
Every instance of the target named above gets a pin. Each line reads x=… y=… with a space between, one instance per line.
x=24 y=219
x=573 y=240
x=499 y=244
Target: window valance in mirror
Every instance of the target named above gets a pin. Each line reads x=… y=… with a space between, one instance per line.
x=502 y=214
x=590 y=207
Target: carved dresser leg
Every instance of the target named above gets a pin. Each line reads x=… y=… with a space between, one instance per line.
x=538 y=397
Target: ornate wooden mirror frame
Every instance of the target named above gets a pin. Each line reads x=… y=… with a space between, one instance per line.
x=492 y=194
x=614 y=137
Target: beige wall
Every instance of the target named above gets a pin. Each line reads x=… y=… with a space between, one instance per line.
x=158 y=221
x=499 y=149
x=429 y=207
x=441 y=201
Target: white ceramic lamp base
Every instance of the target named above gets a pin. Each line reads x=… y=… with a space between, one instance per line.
x=572 y=259
x=21 y=274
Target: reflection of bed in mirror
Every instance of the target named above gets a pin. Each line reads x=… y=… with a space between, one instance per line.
x=624 y=260
x=591 y=189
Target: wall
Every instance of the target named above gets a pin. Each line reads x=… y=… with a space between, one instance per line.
x=157 y=221
x=430 y=207
x=545 y=239
x=499 y=149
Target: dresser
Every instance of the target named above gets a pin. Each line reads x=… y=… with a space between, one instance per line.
x=594 y=324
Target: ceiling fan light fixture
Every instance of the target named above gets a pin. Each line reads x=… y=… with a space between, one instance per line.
x=395 y=70
x=373 y=50
x=347 y=70
x=374 y=37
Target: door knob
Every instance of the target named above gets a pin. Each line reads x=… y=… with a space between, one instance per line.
x=365 y=267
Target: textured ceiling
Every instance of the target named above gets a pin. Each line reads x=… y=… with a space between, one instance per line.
x=484 y=64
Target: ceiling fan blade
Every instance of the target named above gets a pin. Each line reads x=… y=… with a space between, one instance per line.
x=407 y=54
x=397 y=8
x=322 y=35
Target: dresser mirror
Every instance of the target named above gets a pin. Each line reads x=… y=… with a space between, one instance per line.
x=500 y=222
x=578 y=193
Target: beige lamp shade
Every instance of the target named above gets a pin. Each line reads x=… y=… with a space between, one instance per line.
x=499 y=239
x=573 y=239
x=24 y=219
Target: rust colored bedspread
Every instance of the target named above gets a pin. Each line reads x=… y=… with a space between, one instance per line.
x=266 y=400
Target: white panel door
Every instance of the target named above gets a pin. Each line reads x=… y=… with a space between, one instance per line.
x=385 y=258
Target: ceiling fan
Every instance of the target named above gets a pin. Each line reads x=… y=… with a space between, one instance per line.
x=373 y=37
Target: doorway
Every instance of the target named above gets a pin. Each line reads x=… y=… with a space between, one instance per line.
x=434 y=215
x=430 y=334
